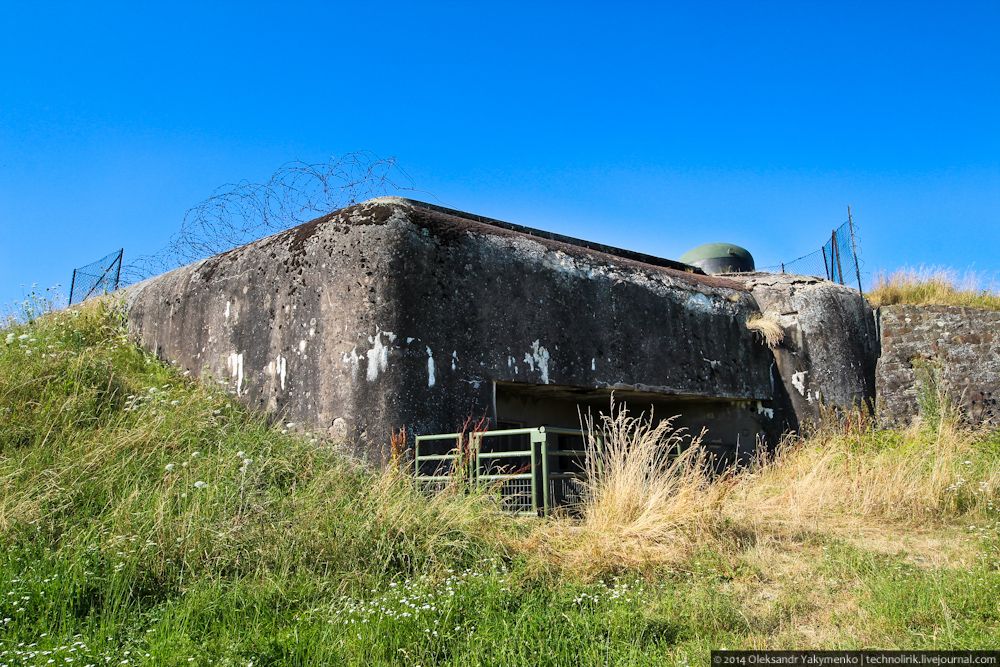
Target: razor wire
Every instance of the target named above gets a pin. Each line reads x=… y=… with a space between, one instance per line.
x=296 y=193
x=98 y=277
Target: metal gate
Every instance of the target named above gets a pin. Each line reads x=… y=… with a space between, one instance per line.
x=533 y=470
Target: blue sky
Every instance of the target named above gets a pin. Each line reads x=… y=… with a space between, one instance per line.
x=652 y=126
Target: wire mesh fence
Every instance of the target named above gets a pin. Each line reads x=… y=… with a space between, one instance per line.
x=837 y=260
x=97 y=277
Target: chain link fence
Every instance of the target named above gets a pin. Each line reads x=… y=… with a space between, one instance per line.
x=837 y=260
x=243 y=212
x=97 y=277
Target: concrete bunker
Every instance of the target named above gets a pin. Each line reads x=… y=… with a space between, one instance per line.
x=396 y=313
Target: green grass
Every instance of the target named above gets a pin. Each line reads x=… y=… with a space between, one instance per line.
x=916 y=607
x=111 y=552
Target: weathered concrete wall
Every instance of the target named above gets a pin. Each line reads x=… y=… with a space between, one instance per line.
x=830 y=348
x=960 y=346
x=395 y=313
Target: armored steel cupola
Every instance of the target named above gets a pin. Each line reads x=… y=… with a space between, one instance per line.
x=715 y=258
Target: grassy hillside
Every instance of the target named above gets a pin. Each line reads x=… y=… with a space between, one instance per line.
x=146 y=519
x=931 y=288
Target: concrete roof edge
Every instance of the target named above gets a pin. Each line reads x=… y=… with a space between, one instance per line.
x=541 y=233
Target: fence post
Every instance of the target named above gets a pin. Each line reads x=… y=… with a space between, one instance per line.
x=533 y=441
x=546 y=492
x=539 y=468
x=118 y=274
x=416 y=457
x=475 y=444
x=836 y=253
x=826 y=264
x=854 y=248
x=833 y=255
x=72 y=285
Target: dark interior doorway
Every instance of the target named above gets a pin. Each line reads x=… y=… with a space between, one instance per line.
x=733 y=428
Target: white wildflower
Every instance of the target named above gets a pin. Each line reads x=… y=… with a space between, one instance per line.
x=170 y=467
x=200 y=484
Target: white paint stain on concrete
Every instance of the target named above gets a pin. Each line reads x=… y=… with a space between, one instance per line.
x=236 y=370
x=278 y=368
x=430 y=368
x=351 y=359
x=539 y=357
x=378 y=356
x=799 y=382
x=767 y=412
x=454 y=360
x=281 y=368
x=593 y=364
x=701 y=303
x=512 y=363
x=410 y=339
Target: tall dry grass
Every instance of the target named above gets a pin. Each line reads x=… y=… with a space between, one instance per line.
x=925 y=287
x=835 y=479
x=650 y=497
x=653 y=500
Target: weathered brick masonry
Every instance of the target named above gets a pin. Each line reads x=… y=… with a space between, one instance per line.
x=956 y=348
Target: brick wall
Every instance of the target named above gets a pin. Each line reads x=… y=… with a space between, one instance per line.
x=958 y=347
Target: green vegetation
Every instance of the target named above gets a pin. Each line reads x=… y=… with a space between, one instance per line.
x=930 y=288
x=147 y=519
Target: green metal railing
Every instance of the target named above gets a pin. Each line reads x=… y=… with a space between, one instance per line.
x=534 y=469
